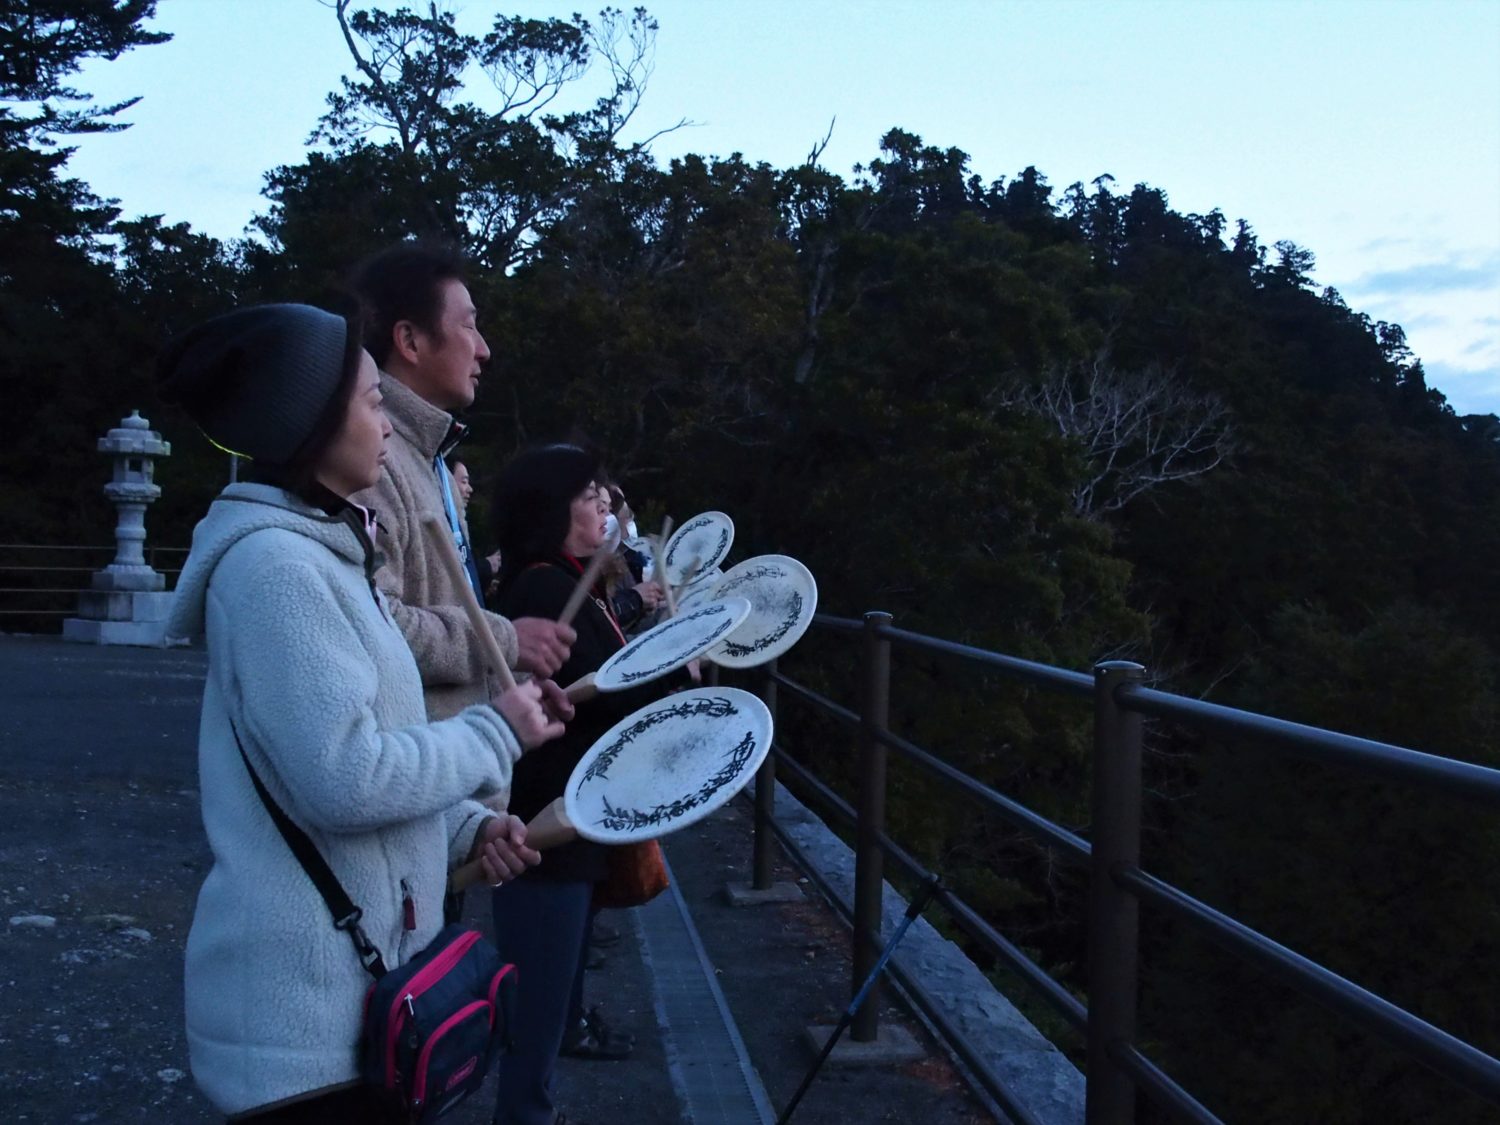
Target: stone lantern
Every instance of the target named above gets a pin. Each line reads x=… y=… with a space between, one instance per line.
x=126 y=603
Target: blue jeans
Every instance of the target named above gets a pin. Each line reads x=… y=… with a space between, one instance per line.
x=542 y=926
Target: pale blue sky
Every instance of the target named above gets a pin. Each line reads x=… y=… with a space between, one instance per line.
x=1367 y=131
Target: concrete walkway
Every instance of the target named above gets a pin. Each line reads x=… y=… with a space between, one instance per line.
x=102 y=852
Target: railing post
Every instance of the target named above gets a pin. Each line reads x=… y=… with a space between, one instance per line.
x=765 y=794
x=869 y=860
x=1113 y=964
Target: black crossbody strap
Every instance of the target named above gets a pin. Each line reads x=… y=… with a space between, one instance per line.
x=346 y=915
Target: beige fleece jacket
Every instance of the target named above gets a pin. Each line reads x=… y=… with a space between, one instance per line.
x=422 y=599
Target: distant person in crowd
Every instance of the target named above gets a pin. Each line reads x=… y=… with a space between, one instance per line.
x=421 y=328
x=488 y=565
x=549 y=519
x=633 y=599
x=312 y=685
x=640 y=563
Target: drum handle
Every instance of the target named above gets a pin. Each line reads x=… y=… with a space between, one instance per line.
x=547 y=829
x=582 y=689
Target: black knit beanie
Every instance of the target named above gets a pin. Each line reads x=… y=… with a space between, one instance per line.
x=257 y=380
x=532 y=506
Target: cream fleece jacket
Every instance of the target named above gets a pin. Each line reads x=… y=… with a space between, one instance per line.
x=306 y=665
x=423 y=601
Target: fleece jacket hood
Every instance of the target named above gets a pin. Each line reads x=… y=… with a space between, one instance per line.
x=241 y=510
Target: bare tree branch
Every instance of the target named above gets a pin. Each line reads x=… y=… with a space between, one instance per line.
x=1137 y=430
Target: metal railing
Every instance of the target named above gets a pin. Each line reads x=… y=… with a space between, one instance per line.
x=1116 y=1068
x=43 y=580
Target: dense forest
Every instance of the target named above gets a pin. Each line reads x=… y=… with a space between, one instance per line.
x=1065 y=424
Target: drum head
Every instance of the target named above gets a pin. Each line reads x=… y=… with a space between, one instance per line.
x=706 y=539
x=783 y=597
x=668 y=765
x=666 y=647
x=699 y=591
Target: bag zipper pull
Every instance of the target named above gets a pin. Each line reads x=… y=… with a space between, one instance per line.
x=411 y=1008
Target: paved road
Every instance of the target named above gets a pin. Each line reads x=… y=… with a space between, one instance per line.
x=102 y=852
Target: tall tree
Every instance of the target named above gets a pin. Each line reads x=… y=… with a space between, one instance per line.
x=58 y=331
x=409 y=154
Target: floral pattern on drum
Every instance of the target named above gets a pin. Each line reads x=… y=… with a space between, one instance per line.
x=703 y=540
x=623 y=663
x=669 y=764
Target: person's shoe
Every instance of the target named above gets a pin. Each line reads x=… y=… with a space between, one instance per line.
x=591 y=1038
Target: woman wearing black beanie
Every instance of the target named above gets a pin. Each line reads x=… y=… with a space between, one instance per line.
x=311 y=686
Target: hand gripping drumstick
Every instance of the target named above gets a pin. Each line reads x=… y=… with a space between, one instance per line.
x=547 y=829
x=442 y=537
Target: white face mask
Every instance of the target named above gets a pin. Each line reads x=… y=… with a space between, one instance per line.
x=611 y=532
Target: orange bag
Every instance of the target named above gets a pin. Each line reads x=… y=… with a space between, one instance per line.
x=637 y=874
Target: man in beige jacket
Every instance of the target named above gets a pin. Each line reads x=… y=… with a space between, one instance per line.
x=420 y=328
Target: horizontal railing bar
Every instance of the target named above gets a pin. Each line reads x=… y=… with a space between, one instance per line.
x=1074 y=847
x=102 y=548
x=837 y=624
x=73 y=547
x=1063 y=1002
x=820 y=788
x=954 y=1036
x=1463 y=778
x=25 y=568
x=1020 y=816
x=1449 y=1056
x=995 y=943
x=1160 y=1086
x=822 y=701
x=1069 y=683
x=111 y=551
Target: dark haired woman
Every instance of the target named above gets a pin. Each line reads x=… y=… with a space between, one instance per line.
x=311 y=685
x=550 y=516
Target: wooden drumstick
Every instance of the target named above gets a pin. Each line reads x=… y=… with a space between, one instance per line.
x=687 y=576
x=547 y=829
x=442 y=537
x=585 y=584
x=657 y=547
x=582 y=689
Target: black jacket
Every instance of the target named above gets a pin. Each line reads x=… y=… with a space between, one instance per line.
x=542 y=590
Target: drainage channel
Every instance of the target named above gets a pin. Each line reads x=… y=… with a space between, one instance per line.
x=706 y=1057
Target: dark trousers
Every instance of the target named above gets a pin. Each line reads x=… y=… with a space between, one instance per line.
x=541 y=925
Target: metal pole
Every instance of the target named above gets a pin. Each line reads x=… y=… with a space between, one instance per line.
x=1113 y=935
x=869 y=860
x=913 y=911
x=765 y=794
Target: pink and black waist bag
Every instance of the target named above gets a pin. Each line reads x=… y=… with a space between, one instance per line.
x=433 y=1027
